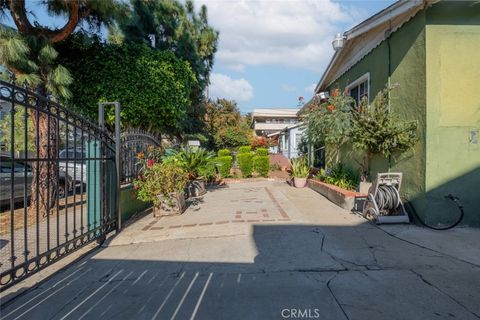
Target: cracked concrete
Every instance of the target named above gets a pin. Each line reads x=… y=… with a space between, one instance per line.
x=313 y=259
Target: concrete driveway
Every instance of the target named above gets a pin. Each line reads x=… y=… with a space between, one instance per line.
x=265 y=250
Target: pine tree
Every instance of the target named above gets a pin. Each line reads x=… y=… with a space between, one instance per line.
x=28 y=53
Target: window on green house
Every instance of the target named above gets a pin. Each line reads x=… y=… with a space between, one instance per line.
x=360 y=88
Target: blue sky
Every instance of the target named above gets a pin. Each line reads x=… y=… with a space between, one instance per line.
x=271 y=51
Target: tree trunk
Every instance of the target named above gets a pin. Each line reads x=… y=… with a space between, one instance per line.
x=44 y=182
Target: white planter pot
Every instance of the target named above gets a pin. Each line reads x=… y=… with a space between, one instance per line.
x=299 y=182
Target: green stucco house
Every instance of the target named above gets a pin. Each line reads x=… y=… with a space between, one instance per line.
x=430 y=50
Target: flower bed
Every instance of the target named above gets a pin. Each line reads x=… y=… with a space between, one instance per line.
x=341 y=197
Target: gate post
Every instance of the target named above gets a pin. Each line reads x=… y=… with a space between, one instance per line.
x=118 y=159
x=118 y=164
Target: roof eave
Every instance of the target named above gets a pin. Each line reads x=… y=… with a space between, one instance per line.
x=381 y=17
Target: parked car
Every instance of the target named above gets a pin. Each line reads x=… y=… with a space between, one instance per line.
x=65 y=184
x=72 y=161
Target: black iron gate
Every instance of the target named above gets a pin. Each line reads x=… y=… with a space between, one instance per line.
x=134 y=142
x=58 y=182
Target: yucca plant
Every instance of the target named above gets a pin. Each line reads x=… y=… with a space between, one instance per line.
x=299 y=167
x=192 y=161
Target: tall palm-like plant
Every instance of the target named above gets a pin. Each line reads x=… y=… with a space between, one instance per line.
x=191 y=160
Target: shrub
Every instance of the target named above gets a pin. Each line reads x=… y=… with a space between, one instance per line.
x=209 y=171
x=224 y=165
x=160 y=179
x=261 y=152
x=245 y=149
x=261 y=164
x=259 y=142
x=224 y=152
x=245 y=163
x=338 y=176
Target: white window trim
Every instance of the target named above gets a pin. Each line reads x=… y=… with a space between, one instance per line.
x=355 y=83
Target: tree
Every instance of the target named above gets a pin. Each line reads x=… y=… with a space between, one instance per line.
x=153 y=86
x=220 y=114
x=329 y=123
x=178 y=28
x=225 y=125
x=376 y=129
x=28 y=52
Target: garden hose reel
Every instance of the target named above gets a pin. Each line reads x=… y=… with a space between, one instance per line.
x=383 y=203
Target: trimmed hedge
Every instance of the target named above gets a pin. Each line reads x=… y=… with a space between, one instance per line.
x=245 y=163
x=261 y=152
x=245 y=149
x=224 y=152
x=261 y=164
x=224 y=165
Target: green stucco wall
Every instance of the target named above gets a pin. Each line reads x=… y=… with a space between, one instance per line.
x=453 y=109
x=407 y=69
x=434 y=60
x=129 y=204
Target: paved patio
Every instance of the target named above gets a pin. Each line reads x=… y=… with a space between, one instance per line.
x=265 y=250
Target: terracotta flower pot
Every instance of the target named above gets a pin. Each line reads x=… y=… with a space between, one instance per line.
x=299 y=182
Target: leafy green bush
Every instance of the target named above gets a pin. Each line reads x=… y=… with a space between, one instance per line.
x=245 y=149
x=261 y=165
x=261 y=152
x=338 y=176
x=376 y=129
x=224 y=165
x=153 y=86
x=160 y=179
x=245 y=163
x=224 y=152
x=209 y=171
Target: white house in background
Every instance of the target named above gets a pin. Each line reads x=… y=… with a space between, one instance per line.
x=289 y=140
x=270 y=121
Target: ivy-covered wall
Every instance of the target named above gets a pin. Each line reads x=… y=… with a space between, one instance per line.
x=403 y=57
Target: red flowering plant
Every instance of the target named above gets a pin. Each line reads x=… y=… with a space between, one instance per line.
x=329 y=122
x=146 y=159
x=259 y=142
x=158 y=180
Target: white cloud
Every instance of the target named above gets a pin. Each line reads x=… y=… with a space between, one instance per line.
x=288 y=33
x=288 y=88
x=223 y=86
x=237 y=67
x=310 y=88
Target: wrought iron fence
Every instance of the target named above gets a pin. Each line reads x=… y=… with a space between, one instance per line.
x=58 y=182
x=134 y=142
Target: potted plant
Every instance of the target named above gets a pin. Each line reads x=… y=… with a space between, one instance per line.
x=299 y=171
x=194 y=162
x=163 y=184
